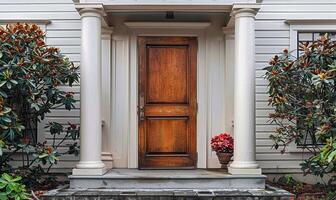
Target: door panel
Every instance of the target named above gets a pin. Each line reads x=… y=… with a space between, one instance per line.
x=167 y=74
x=167 y=102
x=159 y=129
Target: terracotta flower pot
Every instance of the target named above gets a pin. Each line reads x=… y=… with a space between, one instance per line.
x=224 y=159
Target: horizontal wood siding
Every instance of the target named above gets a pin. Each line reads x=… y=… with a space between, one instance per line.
x=63 y=32
x=272 y=36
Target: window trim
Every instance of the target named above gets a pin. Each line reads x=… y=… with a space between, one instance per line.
x=41 y=23
x=305 y=25
x=296 y=26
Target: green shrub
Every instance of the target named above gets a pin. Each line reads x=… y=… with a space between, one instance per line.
x=31 y=76
x=302 y=92
x=11 y=188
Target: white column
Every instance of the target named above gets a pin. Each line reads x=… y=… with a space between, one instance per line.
x=90 y=95
x=244 y=94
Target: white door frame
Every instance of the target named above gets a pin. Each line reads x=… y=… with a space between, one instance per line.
x=196 y=29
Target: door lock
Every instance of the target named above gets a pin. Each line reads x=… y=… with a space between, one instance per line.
x=141 y=107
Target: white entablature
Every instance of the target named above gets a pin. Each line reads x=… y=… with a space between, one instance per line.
x=201 y=6
x=168 y=2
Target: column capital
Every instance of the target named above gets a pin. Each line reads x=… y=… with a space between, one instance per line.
x=228 y=30
x=90 y=10
x=245 y=10
x=107 y=32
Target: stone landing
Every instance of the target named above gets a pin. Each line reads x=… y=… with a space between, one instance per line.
x=269 y=193
x=168 y=179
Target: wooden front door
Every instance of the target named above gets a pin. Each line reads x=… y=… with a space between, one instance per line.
x=167 y=102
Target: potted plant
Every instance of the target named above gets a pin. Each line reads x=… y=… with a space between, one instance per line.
x=222 y=144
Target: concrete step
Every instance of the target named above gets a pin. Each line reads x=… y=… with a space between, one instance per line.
x=269 y=193
x=168 y=179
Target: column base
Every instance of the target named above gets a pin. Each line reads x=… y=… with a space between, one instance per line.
x=243 y=167
x=88 y=172
x=237 y=171
x=89 y=168
x=107 y=159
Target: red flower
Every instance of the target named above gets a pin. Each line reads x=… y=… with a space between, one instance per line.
x=222 y=143
x=73 y=126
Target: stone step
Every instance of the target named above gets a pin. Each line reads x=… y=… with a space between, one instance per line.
x=168 y=179
x=269 y=193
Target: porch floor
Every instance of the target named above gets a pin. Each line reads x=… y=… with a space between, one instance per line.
x=168 y=179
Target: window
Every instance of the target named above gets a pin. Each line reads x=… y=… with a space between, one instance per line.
x=309 y=139
x=308 y=30
x=308 y=37
x=304 y=37
x=302 y=31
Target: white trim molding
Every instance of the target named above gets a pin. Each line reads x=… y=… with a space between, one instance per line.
x=309 y=21
x=171 y=29
x=28 y=21
x=298 y=25
x=106 y=74
x=229 y=35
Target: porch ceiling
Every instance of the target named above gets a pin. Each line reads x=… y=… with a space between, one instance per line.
x=160 y=16
x=152 y=12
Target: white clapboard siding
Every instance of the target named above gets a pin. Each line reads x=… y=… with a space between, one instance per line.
x=63 y=31
x=272 y=36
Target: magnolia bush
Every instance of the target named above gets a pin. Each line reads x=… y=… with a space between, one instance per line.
x=302 y=92
x=31 y=76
